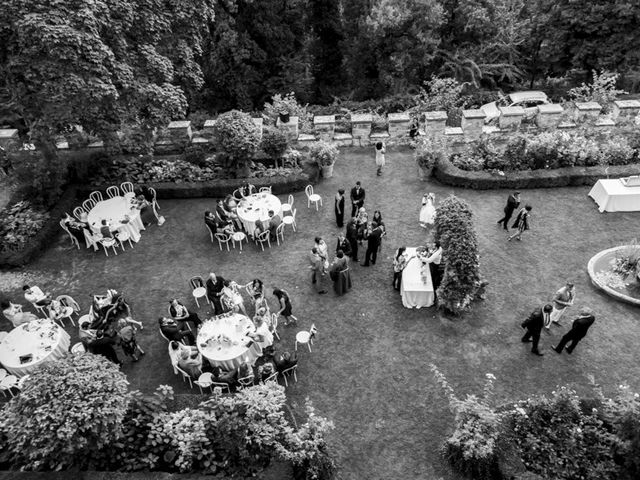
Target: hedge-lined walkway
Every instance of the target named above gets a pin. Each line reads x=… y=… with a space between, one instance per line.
x=369 y=368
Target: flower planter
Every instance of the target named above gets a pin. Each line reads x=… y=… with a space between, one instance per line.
x=284 y=117
x=327 y=171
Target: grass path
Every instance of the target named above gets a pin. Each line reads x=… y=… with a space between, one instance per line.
x=369 y=368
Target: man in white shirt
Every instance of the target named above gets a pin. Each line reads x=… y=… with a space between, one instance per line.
x=561 y=300
x=35 y=296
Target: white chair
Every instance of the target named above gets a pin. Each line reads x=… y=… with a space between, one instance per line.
x=312 y=197
x=274 y=325
x=286 y=207
x=123 y=237
x=223 y=238
x=280 y=233
x=7 y=383
x=236 y=194
x=69 y=302
x=155 y=198
x=222 y=386
x=126 y=187
x=246 y=381
x=271 y=378
x=265 y=189
x=108 y=242
x=198 y=289
x=78 y=211
x=113 y=191
x=306 y=338
x=78 y=349
x=185 y=376
x=88 y=204
x=3 y=373
x=74 y=240
x=22 y=381
x=96 y=196
x=290 y=219
x=205 y=380
x=163 y=335
x=238 y=237
x=262 y=238
x=290 y=371
x=210 y=232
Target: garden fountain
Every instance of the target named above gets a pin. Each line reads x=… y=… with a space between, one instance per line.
x=617 y=272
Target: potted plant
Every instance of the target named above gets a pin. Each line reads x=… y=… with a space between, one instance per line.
x=284 y=116
x=324 y=154
x=427 y=154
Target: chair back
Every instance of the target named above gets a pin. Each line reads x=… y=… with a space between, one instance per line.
x=265 y=189
x=77 y=212
x=237 y=194
x=3 y=373
x=68 y=301
x=290 y=370
x=196 y=282
x=271 y=378
x=185 y=375
x=222 y=386
x=293 y=213
x=113 y=191
x=309 y=190
x=252 y=189
x=313 y=331
x=280 y=230
x=154 y=193
x=64 y=227
x=246 y=381
x=78 y=348
x=163 y=335
x=211 y=232
x=264 y=236
x=290 y=200
x=126 y=187
x=108 y=241
x=88 y=204
x=205 y=380
x=223 y=237
x=96 y=196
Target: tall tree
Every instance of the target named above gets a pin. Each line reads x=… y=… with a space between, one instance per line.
x=325 y=20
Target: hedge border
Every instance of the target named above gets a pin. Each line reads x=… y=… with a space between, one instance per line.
x=448 y=174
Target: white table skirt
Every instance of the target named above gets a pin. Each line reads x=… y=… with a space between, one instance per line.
x=415 y=292
x=222 y=341
x=114 y=209
x=256 y=207
x=612 y=196
x=26 y=340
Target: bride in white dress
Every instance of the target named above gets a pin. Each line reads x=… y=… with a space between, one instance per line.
x=428 y=210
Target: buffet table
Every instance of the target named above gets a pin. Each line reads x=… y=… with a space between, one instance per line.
x=416 y=287
x=223 y=341
x=32 y=344
x=612 y=195
x=256 y=207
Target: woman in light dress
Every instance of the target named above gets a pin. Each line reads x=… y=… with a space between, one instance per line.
x=428 y=210
x=323 y=251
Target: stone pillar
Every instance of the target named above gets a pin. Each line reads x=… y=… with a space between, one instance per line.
x=510 y=118
x=625 y=111
x=549 y=115
x=587 y=112
x=324 y=126
x=258 y=123
x=8 y=136
x=472 y=123
x=180 y=130
x=435 y=124
x=361 y=126
x=398 y=124
x=207 y=130
x=290 y=128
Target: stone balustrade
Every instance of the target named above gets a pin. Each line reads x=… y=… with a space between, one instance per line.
x=324 y=126
x=549 y=116
x=510 y=118
x=398 y=124
x=180 y=130
x=625 y=112
x=435 y=123
x=587 y=112
x=472 y=123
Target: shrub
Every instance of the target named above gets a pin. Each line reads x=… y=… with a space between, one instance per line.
x=44 y=177
x=66 y=411
x=602 y=89
x=514 y=157
x=455 y=232
x=195 y=154
x=428 y=153
x=274 y=142
x=237 y=136
x=288 y=104
x=19 y=223
x=323 y=153
x=468 y=161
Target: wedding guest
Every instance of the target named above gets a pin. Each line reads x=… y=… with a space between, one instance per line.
x=105 y=230
x=180 y=313
x=265 y=371
x=521 y=223
x=222 y=213
x=13 y=312
x=262 y=336
x=256 y=289
x=344 y=245
x=400 y=260
x=563 y=298
x=316 y=265
x=357 y=198
x=352 y=238
x=210 y=221
x=247 y=190
x=75 y=227
x=219 y=376
x=187 y=358
x=231 y=298
x=284 y=303
x=414 y=129
x=323 y=250
x=104 y=345
x=533 y=326
x=86 y=334
x=340 y=274
x=373 y=242
x=214 y=285
x=35 y=296
x=377 y=217
x=261 y=315
x=147 y=216
x=274 y=223
x=435 y=266
x=380 y=161
x=578 y=331
x=284 y=361
x=362 y=220
x=339 y=208
x=513 y=201
x=127 y=335
x=173 y=331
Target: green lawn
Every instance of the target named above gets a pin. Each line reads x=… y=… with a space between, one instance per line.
x=369 y=368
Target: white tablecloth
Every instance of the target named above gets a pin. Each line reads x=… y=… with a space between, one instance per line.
x=256 y=207
x=222 y=341
x=612 y=196
x=42 y=339
x=114 y=209
x=415 y=292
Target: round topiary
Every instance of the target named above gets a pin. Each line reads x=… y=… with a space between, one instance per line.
x=236 y=135
x=274 y=142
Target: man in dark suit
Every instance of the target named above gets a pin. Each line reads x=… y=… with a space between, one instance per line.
x=170 y=329
x=533 y=325
x=512 y=203
x=352 y=238
x=105 y=230
x=578 y=331
x=373 y=242
x=357 y=199
x=344 y=245
x=274 y=223
x=214 y=285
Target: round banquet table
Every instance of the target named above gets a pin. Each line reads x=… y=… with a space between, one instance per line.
x=115 y=209
x=256 y=207
x=43 y=339
x=222 y=340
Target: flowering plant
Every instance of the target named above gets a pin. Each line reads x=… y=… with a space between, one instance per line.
x=18 y=223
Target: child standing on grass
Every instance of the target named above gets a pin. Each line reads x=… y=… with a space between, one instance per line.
x=380 y=151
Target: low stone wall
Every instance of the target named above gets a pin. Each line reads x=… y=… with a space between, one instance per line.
x=449 y=174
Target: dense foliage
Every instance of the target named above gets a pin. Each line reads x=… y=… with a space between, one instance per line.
x=274 y=142
x=455 y=231
x=428 y=153
x=323 y=153
x=18 y=223
x=558 y=436
x=235 y=134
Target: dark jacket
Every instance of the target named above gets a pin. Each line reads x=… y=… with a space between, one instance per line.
x=373 y=238
x=345 y=246
x=581 y=325
x=512 y=204
x=357 y=196
x=535 y=322
x=214 y=289
x=352 y=231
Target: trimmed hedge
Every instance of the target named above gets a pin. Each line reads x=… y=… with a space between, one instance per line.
x=447 y=173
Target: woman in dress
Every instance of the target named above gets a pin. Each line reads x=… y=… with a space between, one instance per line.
x=380 y=161
x=400 y=260
x=521 y=223
x=339 y=273
x=147 y=216
x=285 y=306
x=339 y=208
x=13 y=312
x=256 y=290
x=428 y=210
x=323 y=251
x=231 y=297
x=377 y=217
x=362 y=219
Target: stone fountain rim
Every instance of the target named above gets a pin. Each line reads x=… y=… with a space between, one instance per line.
x=605 y=288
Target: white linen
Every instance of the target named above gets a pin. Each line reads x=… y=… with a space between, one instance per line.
x=612 y=196
x=222 y=340
x=114 y=210
x=416 y=292
x=256 y=207
x=42 y=339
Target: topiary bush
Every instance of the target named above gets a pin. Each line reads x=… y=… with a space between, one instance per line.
x=455 y=231
x=274 y=142
x=66 y=411
x=323 y=153
x=237 y=136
